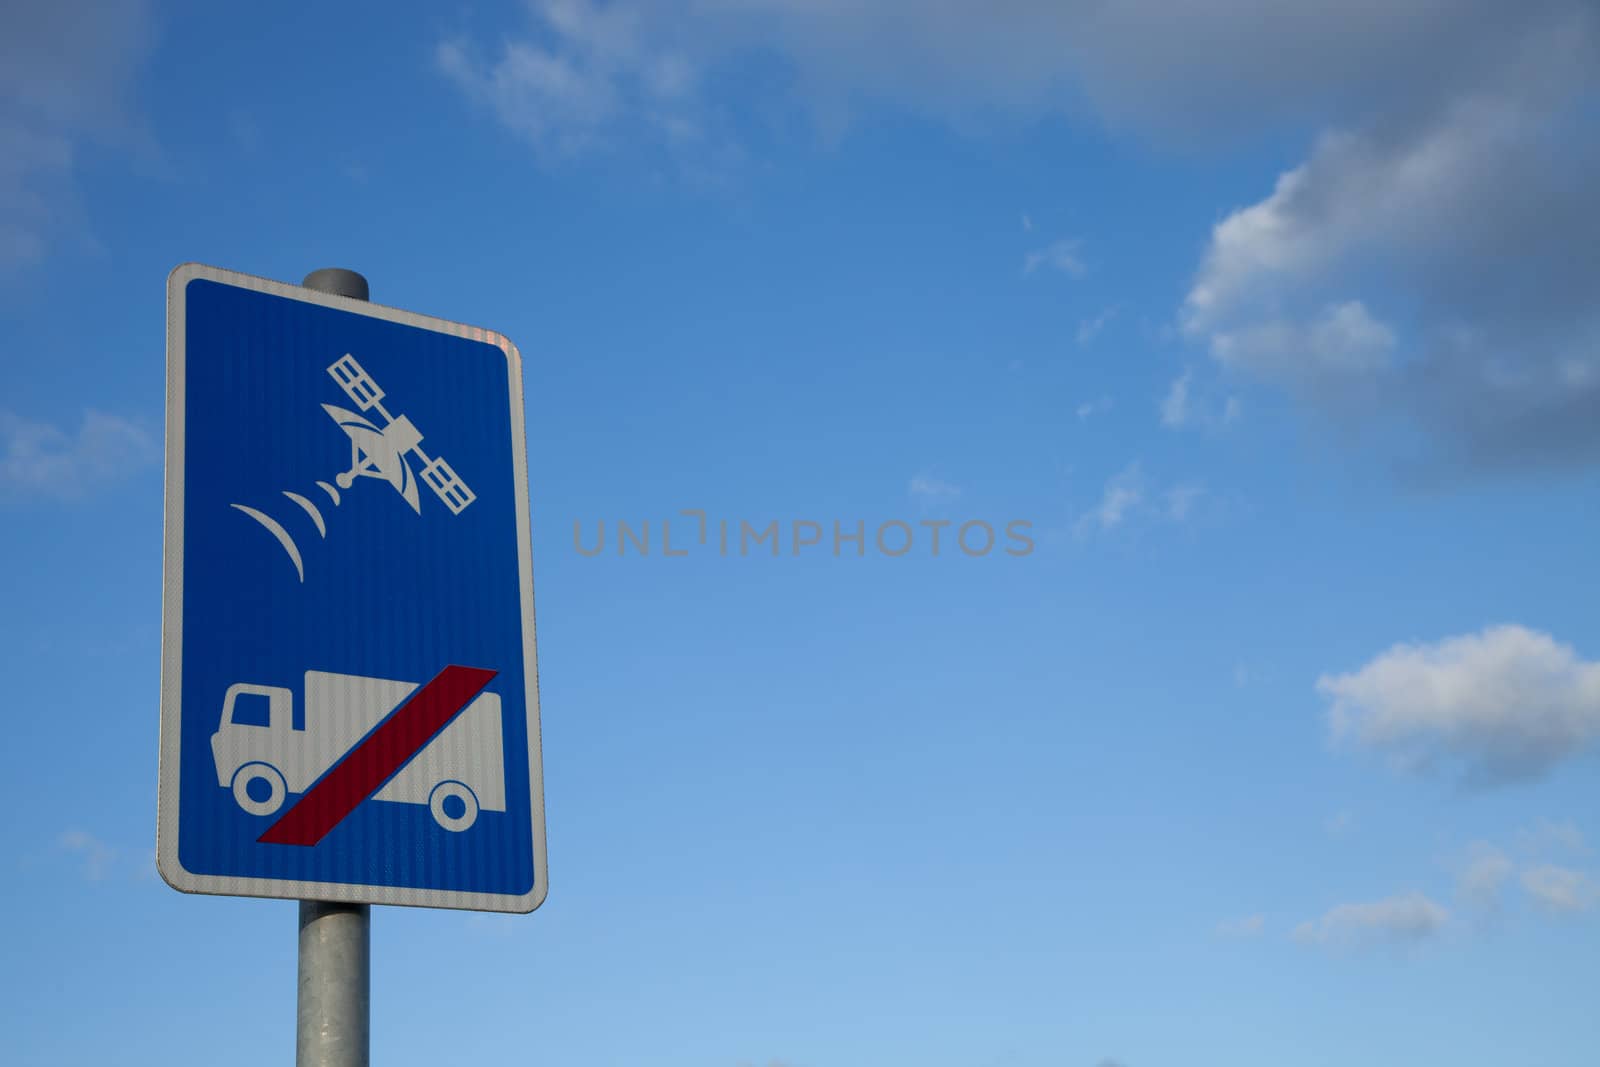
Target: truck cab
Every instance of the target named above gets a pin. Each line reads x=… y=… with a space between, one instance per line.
x=254 y=744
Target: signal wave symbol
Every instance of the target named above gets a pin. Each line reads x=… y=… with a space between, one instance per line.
x=376 y=451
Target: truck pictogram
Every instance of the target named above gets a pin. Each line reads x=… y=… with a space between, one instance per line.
x=264 y=751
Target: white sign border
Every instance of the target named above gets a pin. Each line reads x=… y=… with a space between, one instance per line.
x=167 y=861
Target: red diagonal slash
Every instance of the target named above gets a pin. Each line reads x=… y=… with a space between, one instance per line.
x=385 y=750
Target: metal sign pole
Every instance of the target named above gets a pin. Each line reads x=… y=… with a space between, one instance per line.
x=332 y=1017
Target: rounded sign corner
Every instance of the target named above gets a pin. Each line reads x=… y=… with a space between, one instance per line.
x=172 y=871
x=507 y=348
x=539 y=894
x=180 y=276
x=529 y=901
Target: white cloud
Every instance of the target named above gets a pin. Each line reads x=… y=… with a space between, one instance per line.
x=1124 y=492
x=1340 y=823
x=1128 y=493
x=1179 y=70
x=66 y=75
x=1497 y=365
x=1507 y=703
x=1560 y=890
x=97 y=856
x=1411 y=193
x=1485 y=870
x=1342 y=339
x=1409 y=917
x=1247 y=927
x=1181 y=500
x=36 y=457
x=585 y=76
x=1175 y=406
x=1183 y=408
x=1060 y=255
x=1089 y=329
x=1548 y=836
x=929 y=488
x=1089 y=408
x=31 y=164
x=1483 y=875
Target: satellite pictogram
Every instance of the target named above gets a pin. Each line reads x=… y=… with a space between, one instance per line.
x=380 y=452
x=376 y=451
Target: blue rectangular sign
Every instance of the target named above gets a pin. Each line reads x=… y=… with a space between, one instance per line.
x=349 y=705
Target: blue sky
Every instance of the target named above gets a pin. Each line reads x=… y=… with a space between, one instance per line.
x=1277 y=748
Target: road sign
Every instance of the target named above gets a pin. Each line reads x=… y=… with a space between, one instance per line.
x=349 y=696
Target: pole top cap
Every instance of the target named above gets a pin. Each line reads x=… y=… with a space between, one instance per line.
x=338 y=281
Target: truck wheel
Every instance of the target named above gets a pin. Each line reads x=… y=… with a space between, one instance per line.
x=453 y=805
x=259 y=772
